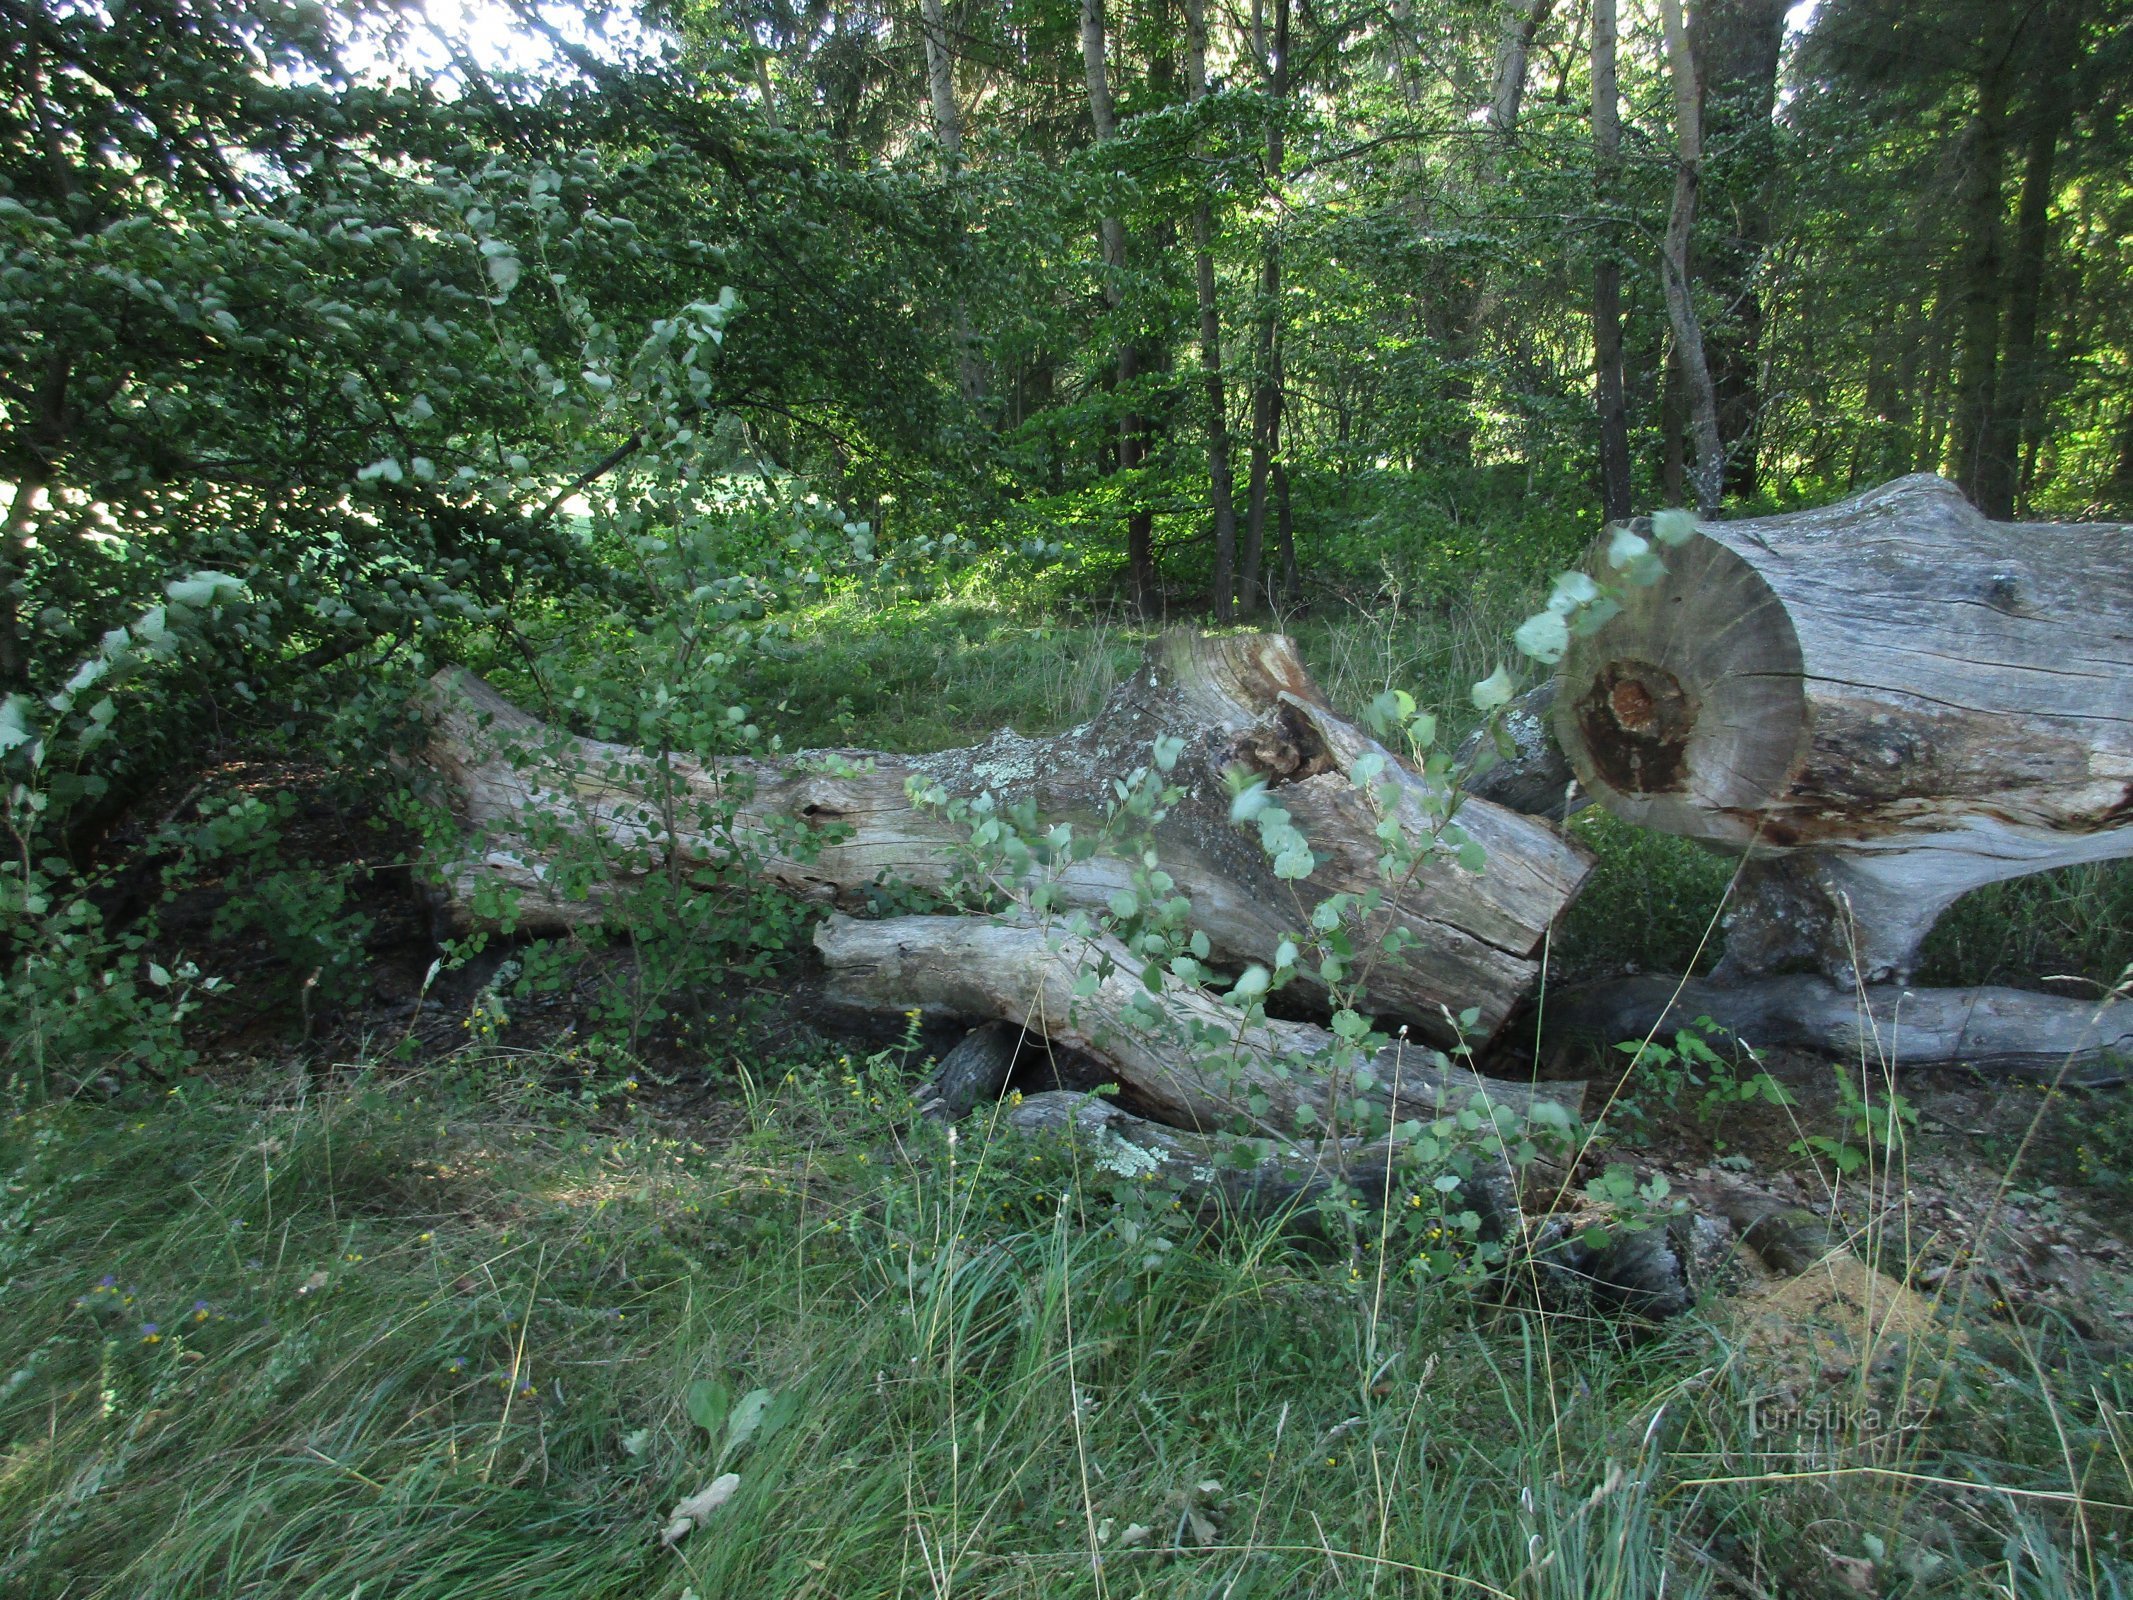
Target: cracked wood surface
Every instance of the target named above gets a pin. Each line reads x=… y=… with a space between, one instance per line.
x=1187 y=1059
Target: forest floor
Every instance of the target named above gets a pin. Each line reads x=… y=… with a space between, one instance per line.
x=417 y=1285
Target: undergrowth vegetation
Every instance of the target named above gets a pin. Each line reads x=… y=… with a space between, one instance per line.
x=360 y=1237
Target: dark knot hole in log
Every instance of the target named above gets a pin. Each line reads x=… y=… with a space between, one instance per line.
x=1636 y=719
x=1284 y=747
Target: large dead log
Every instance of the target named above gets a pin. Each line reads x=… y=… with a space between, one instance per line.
x=1889 y=701
x=1237 y=702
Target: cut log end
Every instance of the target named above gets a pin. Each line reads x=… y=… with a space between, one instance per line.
x=1908 y=699
x=1686 y=712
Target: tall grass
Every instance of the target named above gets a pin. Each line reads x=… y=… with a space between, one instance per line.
x=440 y=1336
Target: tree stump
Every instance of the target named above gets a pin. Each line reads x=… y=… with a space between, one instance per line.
x=1888 y=702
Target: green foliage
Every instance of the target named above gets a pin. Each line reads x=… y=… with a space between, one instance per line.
x=81 y=1000
x=1651 y=904
x=1691 y=1074
x=1870 y=1131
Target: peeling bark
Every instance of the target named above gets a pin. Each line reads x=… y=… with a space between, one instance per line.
x=1190 y=1061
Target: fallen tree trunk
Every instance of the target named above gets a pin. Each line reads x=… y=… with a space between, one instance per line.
x=1253 y=1179
x=1190 y=1068
x=1893 y=699
x=832 y=825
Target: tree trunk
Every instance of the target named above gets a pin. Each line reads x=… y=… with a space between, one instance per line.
x=2121 y=486
x=1607 y=273
x=1673 y=425
x=1522 y=24
x=1132 y=442
x=1571 y=1257
x=1707 y=476
x=1244 y=703
x=1472 y=303
x=1285 y=536
x=1932 y=443
x=1221 y=499
x=1983 y=281
x=1266 y=392
x=2016 y=385
x=1735 y=45
x=1896 y=698
x=940 y=82
x=1177 y=1100
x=948 y=129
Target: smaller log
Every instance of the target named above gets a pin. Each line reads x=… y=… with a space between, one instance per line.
x=1789 y=1239
x=1182 y=1055
x=2012 y=1032
x=1535 y=778
x=1244 y=1177
x=974 y=1072
x=1652 y=1273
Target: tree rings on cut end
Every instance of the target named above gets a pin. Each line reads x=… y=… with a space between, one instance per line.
x=1686 y=711
x=1636 y=719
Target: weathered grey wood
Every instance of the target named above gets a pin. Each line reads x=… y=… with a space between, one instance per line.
x=1914 y=700
x=975 y=1071
x=1240 y=701
x=2016 y=1032
x=1790 y=1239
x=1535 y=778
x=1244 y=1177
x=1192 y=1061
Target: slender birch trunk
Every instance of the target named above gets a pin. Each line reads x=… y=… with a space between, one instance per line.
x=1220 y=489
x=1140 y=555
x=1607 y=273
